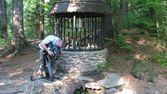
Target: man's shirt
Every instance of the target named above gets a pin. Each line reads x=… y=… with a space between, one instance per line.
x=50 y=40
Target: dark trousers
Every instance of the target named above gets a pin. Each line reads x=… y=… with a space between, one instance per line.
x=42 y=57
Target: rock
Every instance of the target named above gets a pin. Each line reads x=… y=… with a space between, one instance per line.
x=67 y=85
x=111 y=91
x=35 y=87
x=111 y=80
x=129 y=91
x=145 y=71
x=93 y=85
x=48 y=88
x=10 y=86
x=83 y=78
x=83 y=61
x=69 y=88
x=11 y=89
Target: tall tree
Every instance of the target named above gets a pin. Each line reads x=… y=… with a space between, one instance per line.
x=119 y=11
x=17 y=11
x=41 y=20
x=0 y=20
x=4 y=19
x=121 y=14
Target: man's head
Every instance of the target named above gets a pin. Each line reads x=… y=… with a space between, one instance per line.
x=59 y=43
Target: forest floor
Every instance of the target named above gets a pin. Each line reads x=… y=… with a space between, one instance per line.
x=123 y=62
x=23 y=64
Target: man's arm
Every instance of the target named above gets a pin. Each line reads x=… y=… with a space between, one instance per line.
x=45 y=48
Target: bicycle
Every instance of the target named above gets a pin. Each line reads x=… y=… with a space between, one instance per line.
x=46 y=68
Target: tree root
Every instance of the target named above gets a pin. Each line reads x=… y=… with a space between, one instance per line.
x=10 y=49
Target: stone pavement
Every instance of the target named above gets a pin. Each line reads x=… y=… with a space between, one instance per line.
x=111 y=83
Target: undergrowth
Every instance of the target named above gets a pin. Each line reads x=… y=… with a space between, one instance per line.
x=121 y=43
x=160 y=59
x=106 y=66
x=4 y=42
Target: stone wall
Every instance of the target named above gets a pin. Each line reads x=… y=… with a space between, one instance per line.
x=73 y=61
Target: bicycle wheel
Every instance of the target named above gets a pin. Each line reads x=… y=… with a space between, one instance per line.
x=51 y=68
x=36 y=73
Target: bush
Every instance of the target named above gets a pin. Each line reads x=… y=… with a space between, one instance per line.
x=160 y=59
x=4 y=42
x=105 y=66
x=123 y=45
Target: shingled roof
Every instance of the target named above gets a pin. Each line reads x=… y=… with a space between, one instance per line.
x=81 y=6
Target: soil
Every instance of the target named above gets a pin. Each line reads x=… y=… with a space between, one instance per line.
x=23 y=64
x=20 y=65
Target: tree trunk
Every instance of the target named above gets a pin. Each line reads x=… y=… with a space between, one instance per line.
x=36 y=29
x=117 y=22
x=4 y=19
x=1 y=20
x=19 y=37
x=123 y=4
x=41 y=28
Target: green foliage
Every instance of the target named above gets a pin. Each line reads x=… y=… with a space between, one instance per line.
x=30 y=34
x=162 y=34
x=87 y=91
x=109 y=39
x=4 y=42
x=122 y=44
x=145 y=15
x=77 y=92
x=149 y=16
x=31 y=17
x=105 y=66
x=134 y=21
x=160 y=59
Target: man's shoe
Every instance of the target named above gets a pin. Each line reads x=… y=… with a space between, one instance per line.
x=57 y=77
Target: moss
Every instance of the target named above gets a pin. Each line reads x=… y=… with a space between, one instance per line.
x=144 y=71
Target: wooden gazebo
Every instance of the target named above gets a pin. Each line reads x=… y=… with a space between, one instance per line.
x=80 y=23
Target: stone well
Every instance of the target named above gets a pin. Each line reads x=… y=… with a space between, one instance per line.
x=81 y=26
x=85 y=61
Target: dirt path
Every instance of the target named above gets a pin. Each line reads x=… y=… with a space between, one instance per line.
x=20 y=65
